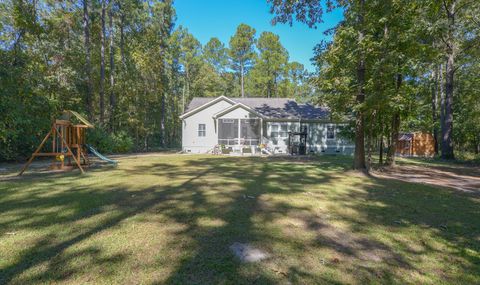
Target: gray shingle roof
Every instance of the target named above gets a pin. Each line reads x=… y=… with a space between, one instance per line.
x=405 y=137
x=197 y=102
x=274 y=108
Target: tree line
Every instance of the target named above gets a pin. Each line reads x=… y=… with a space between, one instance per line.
x=398 y=65
x=127 y=67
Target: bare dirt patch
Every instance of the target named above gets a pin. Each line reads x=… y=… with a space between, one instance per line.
x=465 y=179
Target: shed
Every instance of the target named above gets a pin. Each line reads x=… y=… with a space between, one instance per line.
x=416 y=144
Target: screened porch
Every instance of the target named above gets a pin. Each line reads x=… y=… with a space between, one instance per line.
x=239 y=132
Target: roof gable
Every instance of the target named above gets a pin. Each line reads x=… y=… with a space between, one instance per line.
x=200 y=104
x=236 y=106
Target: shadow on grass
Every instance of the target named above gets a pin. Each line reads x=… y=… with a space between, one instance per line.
x=240 y=187
x=452 y=216
x=430 y=215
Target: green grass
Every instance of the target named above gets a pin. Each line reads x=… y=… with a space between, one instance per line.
x=170 y=220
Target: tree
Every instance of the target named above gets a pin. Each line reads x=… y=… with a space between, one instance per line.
x=241 y=52
x=88 y=68
x=113 y=99
x=215 y=54
x=270 y=64
x=216 y=76
x=103 y=35
x=372 y=69
x=298 y=76
x=191 y=61
x=359 y=155
x=311 y=12
x=454 y=34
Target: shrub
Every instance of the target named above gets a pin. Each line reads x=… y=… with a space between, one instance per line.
x=106 y=142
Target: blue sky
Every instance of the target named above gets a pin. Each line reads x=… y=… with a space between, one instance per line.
x=219 y=18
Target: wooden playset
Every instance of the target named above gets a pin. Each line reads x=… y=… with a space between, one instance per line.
x=67 y=140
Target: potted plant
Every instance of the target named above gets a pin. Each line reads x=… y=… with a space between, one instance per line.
x=225 y=150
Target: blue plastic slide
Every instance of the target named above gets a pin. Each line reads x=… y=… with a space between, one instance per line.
x=99 y=155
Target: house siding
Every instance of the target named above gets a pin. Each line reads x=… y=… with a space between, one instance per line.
x=191 y=142
x=316 y=138
x=238 y=113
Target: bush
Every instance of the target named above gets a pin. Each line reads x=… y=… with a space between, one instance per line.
x=106 y=142
x=467 y=156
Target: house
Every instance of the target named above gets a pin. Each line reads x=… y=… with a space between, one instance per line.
x=416 y=144
x=280 y=124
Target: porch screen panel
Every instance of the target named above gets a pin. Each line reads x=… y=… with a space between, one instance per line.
x=250 y=131
x=228 y=131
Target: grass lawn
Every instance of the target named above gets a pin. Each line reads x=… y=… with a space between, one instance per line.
x=171 y=219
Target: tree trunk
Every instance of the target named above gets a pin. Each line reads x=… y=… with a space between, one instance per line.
x=477 y=145
x=241 y=80
x=447 y=133
x=370 y=142
x=380 y=155
x=395 y=130
x=113 y=98
x=183 y=98
x=275 y=89
x=122 y=34
x=162 y=122
x=102 y=65
x=187 y=85
x=359 y=156
x=434 y=108
x=394 y=138
x=442 y=102
x=88 y=65
x=173 y=126
x=447 y=142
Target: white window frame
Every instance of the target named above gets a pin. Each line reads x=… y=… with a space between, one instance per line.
x=277 y=131
x=282 y=133
x=202 y=132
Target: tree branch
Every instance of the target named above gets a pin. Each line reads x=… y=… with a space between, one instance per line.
x=463 y=5
x=446 y=7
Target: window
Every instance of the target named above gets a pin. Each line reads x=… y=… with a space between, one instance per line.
x=283 y=130
x=202 y=130
x=279 y=130
x=274 y=131
x=330 y=132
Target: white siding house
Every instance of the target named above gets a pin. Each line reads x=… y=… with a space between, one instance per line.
x=241 y=122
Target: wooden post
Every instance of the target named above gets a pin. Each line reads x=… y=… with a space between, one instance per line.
x=78 y=152
x=70 y=152
x=83 y=155
x=36 y=151
x=54 y=140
